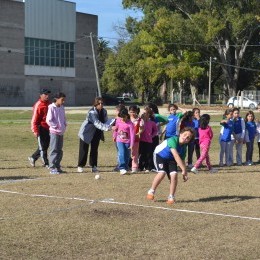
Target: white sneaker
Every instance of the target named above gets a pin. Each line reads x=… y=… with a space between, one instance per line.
x=123 y=171
x=134 y=171
x=194 y=170
x=80 y=169
x=94 y=169
x=213 y=170
x=31 y=161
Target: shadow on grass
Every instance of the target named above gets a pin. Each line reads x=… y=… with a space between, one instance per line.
x=14 y=178
x=225 y=199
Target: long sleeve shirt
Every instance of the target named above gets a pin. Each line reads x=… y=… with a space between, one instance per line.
x=56 y=119
x=40 y=110
x=150 y=131
x=205 y=135
x=124 y=132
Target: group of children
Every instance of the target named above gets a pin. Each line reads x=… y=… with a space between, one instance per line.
x=135 y=138
x=139 y=149
x=236 y=131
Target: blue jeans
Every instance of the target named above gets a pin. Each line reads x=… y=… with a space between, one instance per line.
x=123 y=155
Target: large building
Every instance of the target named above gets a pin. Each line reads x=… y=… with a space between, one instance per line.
x=46 y=44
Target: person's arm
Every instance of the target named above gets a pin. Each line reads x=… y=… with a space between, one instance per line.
x=93 y=118
x=180 y=163
x=35 y=120
x=50 y=120
x=243 y=130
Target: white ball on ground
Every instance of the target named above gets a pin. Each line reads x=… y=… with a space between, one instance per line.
x=97 y=176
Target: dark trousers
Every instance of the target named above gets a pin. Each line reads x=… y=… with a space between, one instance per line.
x=191 y=147
x=43 y=145
x=83 y=151
x=146 y=155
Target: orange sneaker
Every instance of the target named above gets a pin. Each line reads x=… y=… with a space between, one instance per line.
x=150 y=196
x=171 y=200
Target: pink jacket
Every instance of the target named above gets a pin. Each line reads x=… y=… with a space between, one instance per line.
x=150 y=131
x=56 y=119
x=124 y=132
x=205 y=135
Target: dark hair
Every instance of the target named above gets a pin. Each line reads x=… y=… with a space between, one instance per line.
x=120 y=106
x=58 y=95
x=236 y=109
x=195 y=109
x=204 y=121
x=227 y=112
x=250 y=112
x=97 y=101
x=123 y=112
x=172 y=105
x=153 y=107
x=134 y=108
x=187 y=116
x=189 y=129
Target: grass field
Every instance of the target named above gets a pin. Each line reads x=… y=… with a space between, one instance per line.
x=74 y=216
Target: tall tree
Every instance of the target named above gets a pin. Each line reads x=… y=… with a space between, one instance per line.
x=219 y=27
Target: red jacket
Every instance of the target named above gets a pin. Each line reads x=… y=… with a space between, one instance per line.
x=40 y=110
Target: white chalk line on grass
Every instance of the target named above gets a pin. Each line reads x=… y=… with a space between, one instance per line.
x=111 y=201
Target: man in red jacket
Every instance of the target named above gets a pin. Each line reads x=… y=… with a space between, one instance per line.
x=40 y=128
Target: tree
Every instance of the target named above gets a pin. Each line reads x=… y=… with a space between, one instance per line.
x=222 y=28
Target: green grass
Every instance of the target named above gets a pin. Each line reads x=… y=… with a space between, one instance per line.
x=74 y=221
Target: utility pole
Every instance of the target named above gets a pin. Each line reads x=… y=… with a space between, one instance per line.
x=210 y=61
x=95 y=64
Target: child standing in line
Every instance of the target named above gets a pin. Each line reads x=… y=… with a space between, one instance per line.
x=172 y=127
x=205 y=137
x=57 y=121
x=167 y=157
x=225 y=137
x=124 y=136
x=195 y=145
x=117 y=110
x=187 y=121
x=138 y=127
x=239 y=135
x=250 y=136
x=146 y=140
x=258 y=137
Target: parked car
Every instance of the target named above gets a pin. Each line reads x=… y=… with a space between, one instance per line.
x=127 y=101
x=110 y=100
x=247 y=103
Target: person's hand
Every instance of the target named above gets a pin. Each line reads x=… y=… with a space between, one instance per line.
x=36 y=135
x=185 y=176
x=114 y=128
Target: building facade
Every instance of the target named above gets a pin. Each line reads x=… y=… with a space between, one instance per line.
x=46 y=44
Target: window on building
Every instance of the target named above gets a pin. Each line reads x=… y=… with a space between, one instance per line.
x=40 y=52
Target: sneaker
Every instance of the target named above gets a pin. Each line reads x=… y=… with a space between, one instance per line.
x=146 y=171
x=123 y=171
x=190 y=166
x=170 y=200
x=213 y=170
x=80 y=169
x=60 y=171
x=134 y=171
x=153 y=170
x=194 y=170
x=31 y=161
x=94 y=169
x=150 y=195
x=54 y=171
x=221 y=165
